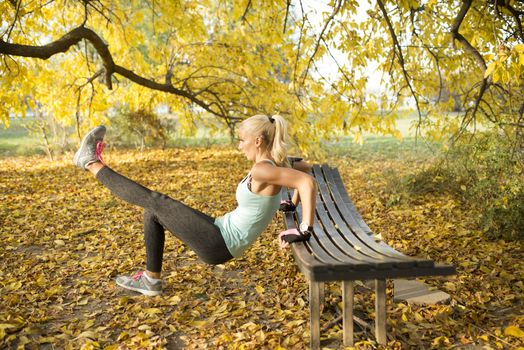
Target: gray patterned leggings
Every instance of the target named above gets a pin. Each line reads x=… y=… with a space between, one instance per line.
x=191 y=226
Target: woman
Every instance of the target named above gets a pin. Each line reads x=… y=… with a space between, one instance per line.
x=215 y=241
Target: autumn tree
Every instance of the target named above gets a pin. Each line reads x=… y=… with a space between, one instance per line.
x=200 y=58
x=232 y=59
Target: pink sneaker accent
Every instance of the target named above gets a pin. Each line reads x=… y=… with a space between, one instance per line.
x=99 y=148
x=137 y=275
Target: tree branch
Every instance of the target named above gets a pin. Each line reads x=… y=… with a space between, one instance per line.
x=466 y=4
x=321 y=37
x=76 y=35
x=515 y=13
x=243 y=18
x=398 y=50
x=17 y=5
x=288 y=4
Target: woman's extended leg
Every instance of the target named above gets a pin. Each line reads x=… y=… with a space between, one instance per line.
x=193 y=227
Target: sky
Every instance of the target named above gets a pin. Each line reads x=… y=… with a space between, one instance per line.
x=328 y=69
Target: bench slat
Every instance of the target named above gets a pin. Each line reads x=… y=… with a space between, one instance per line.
x=351 y=216
x=343 y=236
x=311 y=255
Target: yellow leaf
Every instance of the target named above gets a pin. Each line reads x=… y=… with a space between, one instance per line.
x=123 y=300
x=174 y=300
x=89 y=324
x=198 y=324
x=43 y=340
x=514 y=331
x=152 y=311
x=490 y=69
x=519 y=48
x=259 y=289
x=83 y=301
x=87 y=334
x=123 y=336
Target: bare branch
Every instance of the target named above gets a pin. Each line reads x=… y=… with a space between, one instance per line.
x=77 y=113
x=17 y=5
x=288 y=4
x=299 y=44
x=243 y=18
x=398 y=51
x=514 y=12
x=321 y=37
x=466 y=4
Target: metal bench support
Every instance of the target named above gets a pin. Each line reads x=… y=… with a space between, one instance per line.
x=314 y=305
x=347 y=312
x=380 y=311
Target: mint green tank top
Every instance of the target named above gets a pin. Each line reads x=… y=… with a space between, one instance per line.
x=242 y=226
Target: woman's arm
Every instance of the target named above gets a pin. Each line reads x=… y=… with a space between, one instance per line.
x=304 y=184
x=305 y=167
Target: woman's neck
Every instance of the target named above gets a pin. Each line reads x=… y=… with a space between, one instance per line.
x=263 y=156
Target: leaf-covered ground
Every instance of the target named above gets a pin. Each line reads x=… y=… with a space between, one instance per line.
x=65 y=238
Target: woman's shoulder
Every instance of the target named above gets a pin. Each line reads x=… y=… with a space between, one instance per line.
x=263 y=167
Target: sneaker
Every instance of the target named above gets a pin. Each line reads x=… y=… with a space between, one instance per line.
x=140 y=283
x=90 y=150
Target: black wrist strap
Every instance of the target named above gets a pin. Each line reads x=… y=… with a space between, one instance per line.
x=304 y=236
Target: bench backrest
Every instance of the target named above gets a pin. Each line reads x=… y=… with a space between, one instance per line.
x=342 y=241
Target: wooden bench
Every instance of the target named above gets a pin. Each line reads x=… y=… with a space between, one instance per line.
x=343 y=248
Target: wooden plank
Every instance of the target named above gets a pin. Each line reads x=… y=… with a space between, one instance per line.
x=310 y=263
x=343 y=236
x=322 y=248
x=325 y=273
x=342 y=199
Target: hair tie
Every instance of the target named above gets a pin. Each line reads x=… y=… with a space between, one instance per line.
x=272 y=120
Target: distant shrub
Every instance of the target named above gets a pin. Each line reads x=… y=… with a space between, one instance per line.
x=139 y=128
x=485 y=171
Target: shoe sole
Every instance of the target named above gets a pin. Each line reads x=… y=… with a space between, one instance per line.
x=149 y=293
x=83 y=145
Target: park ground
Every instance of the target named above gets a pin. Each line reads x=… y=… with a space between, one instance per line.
x=65 y=238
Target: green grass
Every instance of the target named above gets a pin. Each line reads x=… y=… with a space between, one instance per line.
x=381 y=147
x=16 y=140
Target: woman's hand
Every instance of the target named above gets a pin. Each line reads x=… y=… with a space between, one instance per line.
x=291 y=236
x=287 y=206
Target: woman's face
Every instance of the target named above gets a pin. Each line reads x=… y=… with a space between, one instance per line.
x=248 y=144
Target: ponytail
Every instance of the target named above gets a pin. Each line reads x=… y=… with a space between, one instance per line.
x=279 y=147
x=274 y=131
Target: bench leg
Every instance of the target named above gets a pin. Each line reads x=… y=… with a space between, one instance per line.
x=314 y=312
x=347 y=312
x=380 y=310
x=322 y=286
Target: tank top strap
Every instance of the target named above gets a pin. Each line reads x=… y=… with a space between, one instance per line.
x=248 y=177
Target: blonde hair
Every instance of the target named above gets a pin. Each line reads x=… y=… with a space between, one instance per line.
x=274 y=132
